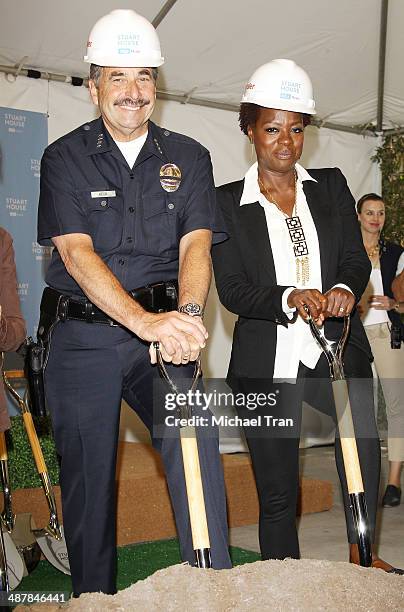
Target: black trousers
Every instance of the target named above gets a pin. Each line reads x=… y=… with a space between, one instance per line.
x=275 y=449
x=90 y=368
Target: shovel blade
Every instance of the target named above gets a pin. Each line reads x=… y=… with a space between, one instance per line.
x=15 y=564
x=54 y=550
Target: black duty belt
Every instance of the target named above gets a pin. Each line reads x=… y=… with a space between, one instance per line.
x=158 y=297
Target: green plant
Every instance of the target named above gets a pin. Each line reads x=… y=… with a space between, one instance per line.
x=390 y=156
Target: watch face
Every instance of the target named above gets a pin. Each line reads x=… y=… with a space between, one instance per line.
x=191 y=309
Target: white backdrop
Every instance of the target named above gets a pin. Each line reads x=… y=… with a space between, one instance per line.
x=218 y=130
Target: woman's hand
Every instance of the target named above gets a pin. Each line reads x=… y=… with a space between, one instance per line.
x=397 y=286
x=340 y=302
x=315 y=301
x=381 y=302
x=337 y=302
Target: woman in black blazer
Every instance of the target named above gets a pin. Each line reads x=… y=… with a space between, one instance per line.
x=294 y=243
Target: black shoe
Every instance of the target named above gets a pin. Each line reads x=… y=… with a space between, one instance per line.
x=392 y=496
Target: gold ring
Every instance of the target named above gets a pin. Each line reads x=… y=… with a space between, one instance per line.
x=341 y=309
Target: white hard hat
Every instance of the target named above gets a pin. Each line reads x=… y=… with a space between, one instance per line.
x=124 y=39
x=281 y=84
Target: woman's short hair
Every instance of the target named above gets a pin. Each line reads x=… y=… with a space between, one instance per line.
x=249 y=112
x=365 y=198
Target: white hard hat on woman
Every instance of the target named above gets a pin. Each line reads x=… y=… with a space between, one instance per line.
x=280 y=84
x=123 y=38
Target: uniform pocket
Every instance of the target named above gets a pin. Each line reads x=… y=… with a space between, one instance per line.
x=160 y=223
x=105 y=217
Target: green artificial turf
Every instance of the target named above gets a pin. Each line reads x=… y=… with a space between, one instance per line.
x=21 y=465
x=135 y=562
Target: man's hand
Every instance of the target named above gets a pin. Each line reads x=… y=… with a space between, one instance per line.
x=315 y=301
x=381 y=302
x=340 y=302
x=181 y=336
x=184 y=360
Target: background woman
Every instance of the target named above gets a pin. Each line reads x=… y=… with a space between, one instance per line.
x=294 y=243
x=379 y=312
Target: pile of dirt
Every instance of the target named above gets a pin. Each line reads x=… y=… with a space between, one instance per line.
x=282 y=586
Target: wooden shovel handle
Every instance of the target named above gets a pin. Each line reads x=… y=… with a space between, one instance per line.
x=193 y=480
x=33 y=440
x=352 y=466
x=3 y=447
x=347 y=434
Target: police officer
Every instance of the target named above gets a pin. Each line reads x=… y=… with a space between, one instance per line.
x=127 y=205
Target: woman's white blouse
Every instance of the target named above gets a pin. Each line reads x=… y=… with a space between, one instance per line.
x=373 y=316
x=400 y=265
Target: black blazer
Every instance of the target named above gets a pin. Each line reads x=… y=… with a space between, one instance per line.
x=390 y=253
x=245 y=272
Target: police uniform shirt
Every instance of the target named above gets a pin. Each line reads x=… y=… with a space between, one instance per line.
x=136 y=225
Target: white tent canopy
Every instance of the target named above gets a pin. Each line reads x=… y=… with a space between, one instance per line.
x=211 y=48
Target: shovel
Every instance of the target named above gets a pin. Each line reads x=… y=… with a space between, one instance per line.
x=4 y=584
x=348 y=439
x=192 y=471
x=51 y=539
x=11 y=562
x=7 y=516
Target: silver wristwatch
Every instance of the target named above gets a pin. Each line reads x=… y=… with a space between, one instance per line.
x=192 y=309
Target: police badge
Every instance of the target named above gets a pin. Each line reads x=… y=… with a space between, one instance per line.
x=170 y=177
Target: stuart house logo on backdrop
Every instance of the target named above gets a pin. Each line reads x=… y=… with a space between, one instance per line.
x=41 y=253
x=16 y=206
x=14 y=122
x=35 y=167
x=22 y=290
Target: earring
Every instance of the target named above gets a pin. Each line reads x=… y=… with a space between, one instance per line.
x=252 y=150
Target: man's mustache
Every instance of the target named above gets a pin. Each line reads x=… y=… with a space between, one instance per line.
x=128 y=101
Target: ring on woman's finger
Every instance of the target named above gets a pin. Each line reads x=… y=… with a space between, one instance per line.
x=342 y=309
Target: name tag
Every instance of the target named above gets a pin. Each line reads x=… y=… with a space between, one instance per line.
x=103 y=194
